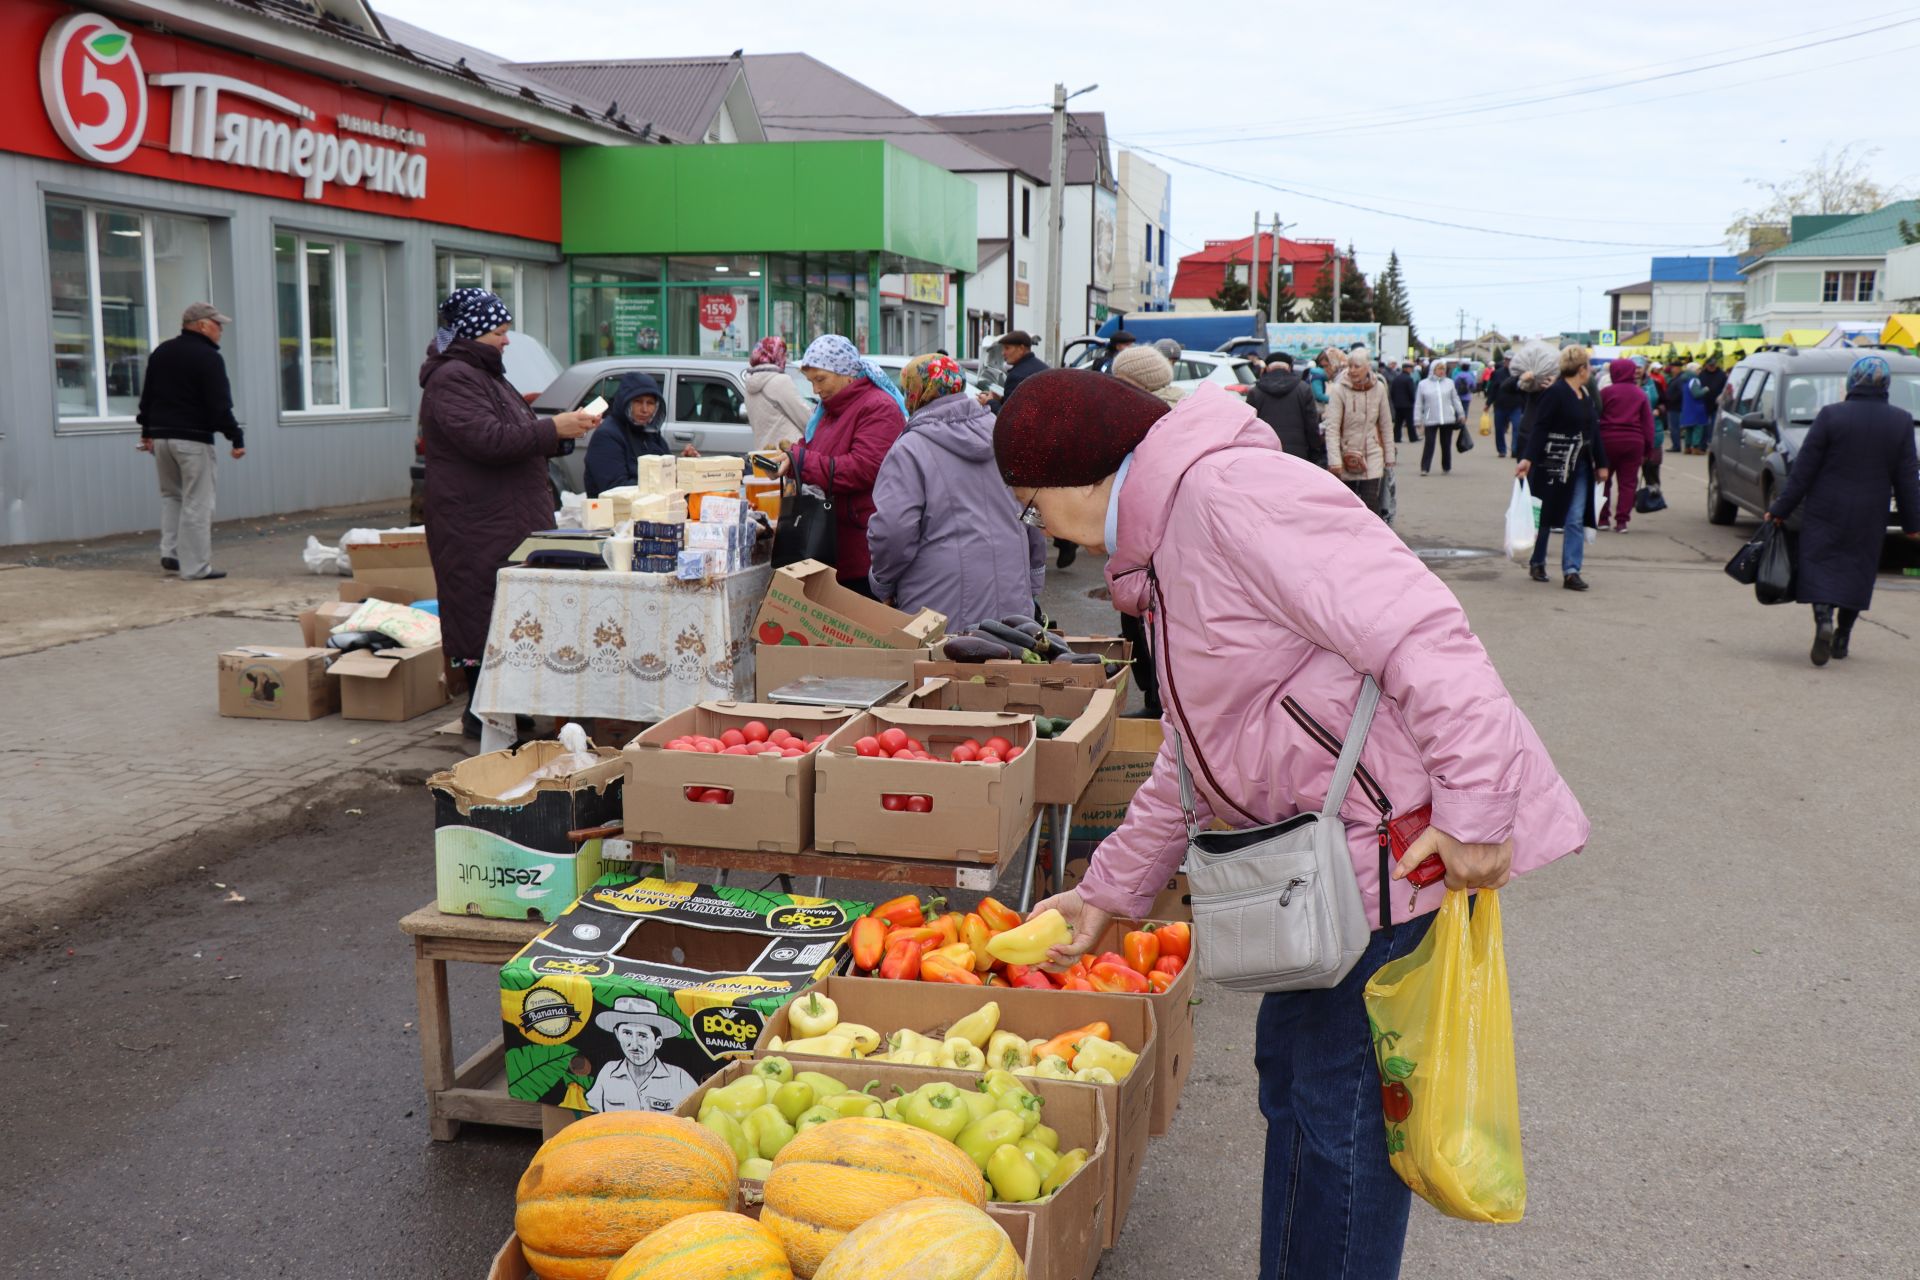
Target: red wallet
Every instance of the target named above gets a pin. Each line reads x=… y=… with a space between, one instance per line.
x=1403 y=831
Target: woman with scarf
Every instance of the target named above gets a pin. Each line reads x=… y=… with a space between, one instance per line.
x=1359 y=428
x=861 y=414
x=1263 y=580
x=486 y=459
x=946 y=533
x=1564 y=459
x=1857 y=454
x=630 y=432
x=775 y=410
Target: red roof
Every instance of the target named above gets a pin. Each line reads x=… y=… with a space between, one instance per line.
x=1201 y=274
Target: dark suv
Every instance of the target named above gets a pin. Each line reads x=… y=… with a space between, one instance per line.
x=1771 y=399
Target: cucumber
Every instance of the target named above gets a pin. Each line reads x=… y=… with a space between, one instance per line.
x=975 y=648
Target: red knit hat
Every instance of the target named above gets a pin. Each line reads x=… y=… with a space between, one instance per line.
x=1064 y=428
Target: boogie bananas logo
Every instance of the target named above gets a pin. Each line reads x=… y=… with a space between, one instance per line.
x=727 y=1030
x=819 y=917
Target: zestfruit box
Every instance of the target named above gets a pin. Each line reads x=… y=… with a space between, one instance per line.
x=931 y=1007
x=654 y=985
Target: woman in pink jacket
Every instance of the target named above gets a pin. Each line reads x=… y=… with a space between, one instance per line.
x=1263 y=578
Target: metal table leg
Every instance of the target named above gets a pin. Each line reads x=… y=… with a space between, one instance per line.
x=1029 y=862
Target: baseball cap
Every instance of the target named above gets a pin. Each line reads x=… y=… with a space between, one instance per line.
x=198 y=311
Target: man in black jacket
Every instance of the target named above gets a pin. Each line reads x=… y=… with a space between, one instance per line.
x=1400 y=389
x=184 y=400
x=1285 y=402
x=1017 y=350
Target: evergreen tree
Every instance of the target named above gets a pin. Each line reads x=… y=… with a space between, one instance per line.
x=1233 y=294
x=1321 y=304
x=1390 y=302
x=1356 y=296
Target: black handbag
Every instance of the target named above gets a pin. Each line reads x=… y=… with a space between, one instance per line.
x=1649 y=500
x=1773 y=582
x=1744 y=568
x=809 y=528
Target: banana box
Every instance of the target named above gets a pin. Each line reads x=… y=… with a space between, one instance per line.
x=645 y=987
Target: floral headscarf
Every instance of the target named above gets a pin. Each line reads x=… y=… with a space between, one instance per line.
x=769 y=350
x=1869 y=374
x=927 y=378
x=469 y=313
x=835 y=354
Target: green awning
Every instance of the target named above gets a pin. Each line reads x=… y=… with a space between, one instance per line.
x=775 y=197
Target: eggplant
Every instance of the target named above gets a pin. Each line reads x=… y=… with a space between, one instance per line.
x=975 y=648
x=1028 y=626
x=1007 y=635
x=1078 y=659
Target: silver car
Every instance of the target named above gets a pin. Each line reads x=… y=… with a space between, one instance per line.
x=705 y=400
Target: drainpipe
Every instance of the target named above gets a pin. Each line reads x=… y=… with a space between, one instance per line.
x=873 y=301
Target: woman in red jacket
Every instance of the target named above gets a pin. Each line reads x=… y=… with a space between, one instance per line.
x=859 y=418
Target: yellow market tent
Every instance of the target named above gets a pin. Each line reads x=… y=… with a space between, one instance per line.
x=1802 y=337
x=1902 y=331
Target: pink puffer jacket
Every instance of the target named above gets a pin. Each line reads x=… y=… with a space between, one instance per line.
x=1277 y=582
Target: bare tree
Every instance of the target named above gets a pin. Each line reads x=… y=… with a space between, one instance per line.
x=1836 y=182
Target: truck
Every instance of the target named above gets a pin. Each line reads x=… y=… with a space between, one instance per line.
x=1240 y=333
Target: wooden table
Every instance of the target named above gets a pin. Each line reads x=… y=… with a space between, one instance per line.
x=476 y=1090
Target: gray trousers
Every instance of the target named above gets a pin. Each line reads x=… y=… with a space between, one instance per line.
x=186 y=504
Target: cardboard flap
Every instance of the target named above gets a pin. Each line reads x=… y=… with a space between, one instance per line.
x=368 y=665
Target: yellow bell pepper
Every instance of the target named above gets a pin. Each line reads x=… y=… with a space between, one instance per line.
x=1030 y=943
x=1094 y=1075
x=1068 y=1165
x=823 y=1046
x=959 y=1054
x=865 y=1039
x=959 y=953
x=908 y=1043
x=812 y=1015
x=1007 y=1051
x=1050 y=1067
x=977 y=1027
x=1113 y=1057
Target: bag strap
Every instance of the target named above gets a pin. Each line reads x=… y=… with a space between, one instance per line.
x=1343 y=771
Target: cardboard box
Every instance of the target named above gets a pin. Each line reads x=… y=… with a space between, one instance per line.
x=806 y=605
x=511 y=1264
x=1128 y=764
x=931 y=1007
x=776 y=665
x=772 y=805
x=397 y=564
x=317 y=623
x=980 y=813
x=278 y=682
x=1063 y=764
x=1173 y=1019
x=1069 y=1230
x=393 y=684
x=1084 y=675
x=511 y=859
x=700 y=966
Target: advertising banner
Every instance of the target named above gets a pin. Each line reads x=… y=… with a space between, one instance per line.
x=1310 y=340
x=636 y=324
x=724 y=327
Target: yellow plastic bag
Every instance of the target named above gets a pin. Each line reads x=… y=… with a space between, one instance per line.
x=1443 y=1033
x=1486 y=423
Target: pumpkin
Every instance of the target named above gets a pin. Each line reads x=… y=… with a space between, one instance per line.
x=836 y=1176
x=932 y=1239
x=606 y=1182
x=705 y=1246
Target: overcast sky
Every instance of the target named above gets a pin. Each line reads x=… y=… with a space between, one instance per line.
x=1409 y=109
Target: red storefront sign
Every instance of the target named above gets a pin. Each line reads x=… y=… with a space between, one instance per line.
x=160 y=106
x=717 y=310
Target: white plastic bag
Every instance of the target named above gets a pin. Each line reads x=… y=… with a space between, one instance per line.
x=323 y=559
x=1523 y=522
x=576 y=758
x=573 y=511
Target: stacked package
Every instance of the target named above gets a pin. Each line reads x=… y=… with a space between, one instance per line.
x=709 y=475
x=721 y=540
x=656 y=545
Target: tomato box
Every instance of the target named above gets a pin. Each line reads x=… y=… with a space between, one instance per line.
x=1128 y=764
x=645 y=987
x=1069 y=1230
x=778 y=665
x=973 y=812
x=806 y=605
x=766 y=802
x=931 y=1007
x=1064 y=763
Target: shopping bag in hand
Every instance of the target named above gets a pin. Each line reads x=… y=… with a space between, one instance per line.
x=1773 y=583
x=1443 y=1035
x=1486 y=423
x=1523 y=522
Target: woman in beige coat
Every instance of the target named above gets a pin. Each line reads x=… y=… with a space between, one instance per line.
x=1359 y=428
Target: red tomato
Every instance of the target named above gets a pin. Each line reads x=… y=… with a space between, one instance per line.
x=893 y=803
x=790 y=752
x=869 y=747
x=818 y=739
x=778 y=735
x=914 y=744
x=964 y=752
x=733 y=738
x=738 y=749
x=1014 y=754
x=999 y=746
x=991 y=757
x=716 y=795
x=694 y=793
x=919 y=804
x=975 y=744
x=754 y=731
x=922 y=755
x=894 y=739
x=707 y=745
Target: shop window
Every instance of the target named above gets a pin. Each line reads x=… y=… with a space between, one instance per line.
x=331 y=299
x=717 y=321
x=616 y=270
x=118 y=281
x=713 y=267
x=1026 y=212
x=1149 y=244
x=1848 y=286
x=711 y=401
x=522 y=286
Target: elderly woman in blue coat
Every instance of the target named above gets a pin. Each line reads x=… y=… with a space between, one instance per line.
x=1859 y=453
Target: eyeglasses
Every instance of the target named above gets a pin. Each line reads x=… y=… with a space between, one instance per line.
x=1030 y=514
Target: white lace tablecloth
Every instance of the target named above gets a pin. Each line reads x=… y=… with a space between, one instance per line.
x=626 y=646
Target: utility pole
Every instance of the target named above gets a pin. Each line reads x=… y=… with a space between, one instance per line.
x=1056 y=197
x=1711 y=330
x=1461 y=341
x=1273 y=278
x=1253 y=272
x=1336 y=286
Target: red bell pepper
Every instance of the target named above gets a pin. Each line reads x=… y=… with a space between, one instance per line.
x=1159 y=982
x=1118 y=978
x=905 y=912
x=1176 y=940
x=1111 y=957
x=902 y=959
x=940 y=967
x=1169 y=965
x=1141 y=949
x=1077 y=981
x=926 y=937
x=974 y=933
x=1027 y=976
x=869 y=941
x=998 y=916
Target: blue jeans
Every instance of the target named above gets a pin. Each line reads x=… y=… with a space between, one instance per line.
x=1502 y=418
x=1573 y=543
x=1331 y=1206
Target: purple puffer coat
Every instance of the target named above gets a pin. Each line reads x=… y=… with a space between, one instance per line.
x=946 y=532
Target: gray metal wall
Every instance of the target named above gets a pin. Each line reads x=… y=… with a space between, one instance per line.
x=77 y=483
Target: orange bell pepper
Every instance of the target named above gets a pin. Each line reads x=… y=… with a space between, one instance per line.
x=975 y=934
x=1062 y=1044
x=1159 y=982
x=1021 y=975
x=950 y=926
x=998 y=916
x=1118 y=978
x=1110 y=957
x=960 y=953
x=905 y=911
x=926 y=937
x=869 y=942
x=1169 y=965
x=1141 y=949
x=939 y=966
x=1077 y=981
x=902 y=959
x=1176 y=940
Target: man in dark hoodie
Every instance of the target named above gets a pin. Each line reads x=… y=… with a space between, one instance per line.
x=1285 y=402
x=1400 y=389
x=631 y=429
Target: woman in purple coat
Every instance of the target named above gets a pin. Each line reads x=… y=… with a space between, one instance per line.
x=946 y=533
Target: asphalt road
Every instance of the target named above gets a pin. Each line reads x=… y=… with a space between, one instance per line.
x=1715 y=1004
